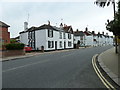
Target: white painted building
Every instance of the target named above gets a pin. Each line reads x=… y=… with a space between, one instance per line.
x=92 y=39
x=50 y=37
x=79 y=38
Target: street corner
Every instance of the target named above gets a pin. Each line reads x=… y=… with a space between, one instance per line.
x=103 y=75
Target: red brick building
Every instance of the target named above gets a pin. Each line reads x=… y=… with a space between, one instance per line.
x=4 y=34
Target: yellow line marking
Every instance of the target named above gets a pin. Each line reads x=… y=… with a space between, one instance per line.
x=105 y=82
x=103 y=77
x=98 y=74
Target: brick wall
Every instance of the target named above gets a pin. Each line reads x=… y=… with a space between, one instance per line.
x=5 y=34
x=9 y=53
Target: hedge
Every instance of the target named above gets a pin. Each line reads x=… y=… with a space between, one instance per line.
x=14 y=46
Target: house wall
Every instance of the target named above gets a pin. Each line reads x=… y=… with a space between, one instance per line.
x=76 y=38
x=24 y=38
x=69 y=40
x=56 y=38
x=40 y=39
x=100 y=41
x=111 y=41
x=95 y=42
x=103 y=41
x=5 y=35
x=88 y=40
x=107 y=41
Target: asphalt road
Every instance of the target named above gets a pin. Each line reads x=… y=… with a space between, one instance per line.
x=71 y=69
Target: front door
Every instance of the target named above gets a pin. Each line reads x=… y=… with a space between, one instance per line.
x=55 y=45
x=64 y=45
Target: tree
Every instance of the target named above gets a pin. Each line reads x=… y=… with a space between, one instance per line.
x=103 y=3
x=114 y=25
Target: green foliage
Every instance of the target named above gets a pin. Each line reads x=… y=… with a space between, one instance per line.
x=13 y=41
x=103 y=3
x=114 y=25
x=14 y=46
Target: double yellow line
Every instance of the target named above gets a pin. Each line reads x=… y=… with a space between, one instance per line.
x=104 y=81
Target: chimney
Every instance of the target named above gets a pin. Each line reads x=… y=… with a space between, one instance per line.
x=61 y=25
x=98 y=33
x=65 y=25
x=93 y=32
x=77 y=30
x=86 y=29
x=103 y=33
x=48 y=22
x=25 y=26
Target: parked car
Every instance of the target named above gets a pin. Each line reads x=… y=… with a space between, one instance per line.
x=27 y=49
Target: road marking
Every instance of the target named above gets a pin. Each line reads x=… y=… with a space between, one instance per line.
x=105 y=82
x=25 y=65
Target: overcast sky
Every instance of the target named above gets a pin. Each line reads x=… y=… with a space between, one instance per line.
x=79 y=14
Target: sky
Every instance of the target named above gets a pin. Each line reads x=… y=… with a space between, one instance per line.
x=77 y=13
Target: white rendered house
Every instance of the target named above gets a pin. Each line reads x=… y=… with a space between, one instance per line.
x=50 y=37
x=79 y=38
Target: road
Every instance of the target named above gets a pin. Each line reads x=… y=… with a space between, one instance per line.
x=71 y=69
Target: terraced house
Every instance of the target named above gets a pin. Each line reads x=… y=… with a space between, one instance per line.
x=49 y=37
x=87 y=38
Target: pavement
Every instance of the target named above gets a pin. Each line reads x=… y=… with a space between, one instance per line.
x=109 y=61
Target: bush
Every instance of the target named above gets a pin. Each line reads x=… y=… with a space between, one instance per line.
x=14 y=46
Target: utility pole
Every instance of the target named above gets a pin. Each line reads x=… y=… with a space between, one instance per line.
x=116 y=50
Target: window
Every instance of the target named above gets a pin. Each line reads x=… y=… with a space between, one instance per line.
x=69 y=36
x=69 y=44
x=50 y=33
x=50 y=44
x=60 y=44
x=60 y=35
x=29 y=35
x=1 y=40
x=33 y=34
x=64 y=35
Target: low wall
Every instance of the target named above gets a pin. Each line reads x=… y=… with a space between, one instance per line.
x=8 y=53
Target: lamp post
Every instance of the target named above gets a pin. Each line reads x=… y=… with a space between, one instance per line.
x=114 y=20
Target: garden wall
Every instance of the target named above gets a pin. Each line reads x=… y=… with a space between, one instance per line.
x=8 y=53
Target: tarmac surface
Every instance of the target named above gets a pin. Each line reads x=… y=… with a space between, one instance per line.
x=66 y=69
x=108 y=60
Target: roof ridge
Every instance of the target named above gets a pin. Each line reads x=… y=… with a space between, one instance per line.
x=2 y=24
